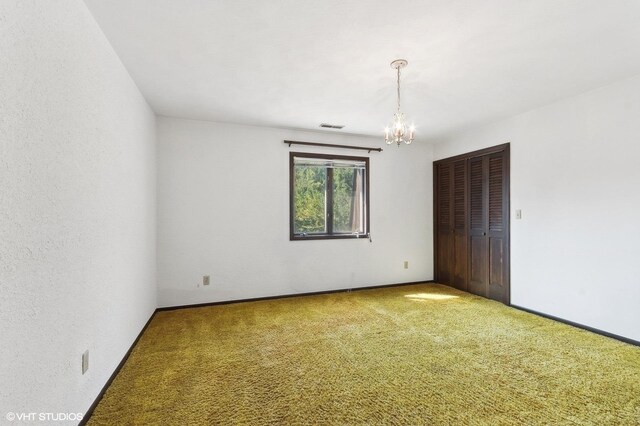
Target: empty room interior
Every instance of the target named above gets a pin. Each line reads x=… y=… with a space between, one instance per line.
x=331 y=212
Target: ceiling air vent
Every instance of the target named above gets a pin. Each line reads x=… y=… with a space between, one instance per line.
x=331 y=126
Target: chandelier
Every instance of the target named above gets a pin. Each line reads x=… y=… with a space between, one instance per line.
x=399 y=132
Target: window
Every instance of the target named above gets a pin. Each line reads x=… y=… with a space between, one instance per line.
x=329 y=196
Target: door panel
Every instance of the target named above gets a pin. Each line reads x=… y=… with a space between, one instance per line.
x=477 y=229
x=496 y=265
x=459 y=195
x=444 y=250
x=460 y=267
x=476 y=195
x=460 y=249
x=478 y=265
x=444 y=192
x=445 y=253
x=498 y=217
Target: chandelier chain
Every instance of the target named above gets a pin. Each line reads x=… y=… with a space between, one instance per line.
x=398 y=89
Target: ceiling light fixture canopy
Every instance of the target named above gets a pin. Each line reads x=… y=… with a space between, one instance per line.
x=399 y=129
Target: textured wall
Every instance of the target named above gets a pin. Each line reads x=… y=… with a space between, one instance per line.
x=223 y=210
x=77 y=207
x=575 y=176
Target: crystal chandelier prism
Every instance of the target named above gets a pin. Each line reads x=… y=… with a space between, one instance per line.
x=399 y=131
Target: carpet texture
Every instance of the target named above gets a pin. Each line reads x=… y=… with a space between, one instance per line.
x=422 y=354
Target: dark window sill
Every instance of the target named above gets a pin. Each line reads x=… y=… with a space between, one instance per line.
x=328 y=237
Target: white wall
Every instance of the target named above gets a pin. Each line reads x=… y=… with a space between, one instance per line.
x=223 y=210
x=575 y=174
x=77 y=207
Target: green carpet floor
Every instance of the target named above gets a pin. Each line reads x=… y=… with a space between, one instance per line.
x=422 y=354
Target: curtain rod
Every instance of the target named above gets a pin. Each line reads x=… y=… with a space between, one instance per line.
x=330 y=145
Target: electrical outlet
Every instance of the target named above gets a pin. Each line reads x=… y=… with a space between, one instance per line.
x=85 y=361
x=406 y=264
x=206 y=280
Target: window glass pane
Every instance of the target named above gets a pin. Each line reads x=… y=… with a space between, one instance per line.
x=310 y=199
x=348 y=200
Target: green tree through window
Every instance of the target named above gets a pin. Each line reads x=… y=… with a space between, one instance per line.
x=310 y=189
x=329 y=196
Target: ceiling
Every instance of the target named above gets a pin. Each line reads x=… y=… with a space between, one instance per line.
x=297 y=63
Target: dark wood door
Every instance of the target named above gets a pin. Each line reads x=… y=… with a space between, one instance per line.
x=459 y=220
x=451 y=218
x=444 y=229
x=472 y=222
x=478 y=263
x=498 y=217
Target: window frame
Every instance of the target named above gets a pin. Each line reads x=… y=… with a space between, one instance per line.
x=298 y=237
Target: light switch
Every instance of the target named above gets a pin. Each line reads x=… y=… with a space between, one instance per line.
x=85 y=361
x=518 y=214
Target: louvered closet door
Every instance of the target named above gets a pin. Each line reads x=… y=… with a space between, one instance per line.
x=460 y=235
x=444 y=235
x=488 y=242
x=478 y=247
x=451 y=216
x=471 y=213
x=497 y=227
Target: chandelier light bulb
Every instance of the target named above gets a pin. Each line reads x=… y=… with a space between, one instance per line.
x=412 y=133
